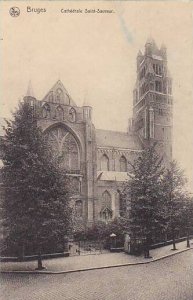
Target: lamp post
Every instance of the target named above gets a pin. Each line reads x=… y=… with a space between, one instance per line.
x=113 y=240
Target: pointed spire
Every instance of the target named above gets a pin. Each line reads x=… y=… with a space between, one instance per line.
x=150 y=40
x=163 y=51
x=30 y=92
x=139 y=57
x=86 y=102
x=163 y=46
x=139 y=53
x=151 y=47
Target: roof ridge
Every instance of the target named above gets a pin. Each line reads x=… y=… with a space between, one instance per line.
x=119 y=139
x=111 y=130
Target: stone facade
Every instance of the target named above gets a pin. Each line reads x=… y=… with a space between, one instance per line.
x=97 y=160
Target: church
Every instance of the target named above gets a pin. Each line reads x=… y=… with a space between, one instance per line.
x=97 y=159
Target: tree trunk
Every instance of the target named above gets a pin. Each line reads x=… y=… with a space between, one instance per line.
x=40 y=266
x=174 y=243
x=146 y=248
x=146 y=252
x=188 y=239
x=173 y=240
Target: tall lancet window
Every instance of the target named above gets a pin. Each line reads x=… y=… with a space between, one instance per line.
x=151 y=123
x=104 y=163
x=78 y=208
x=146 y=125
x=106 y=210
x=106 y=199
x=59 y=96
x=59 y=113
x=158 y=86
x=51 y=97
x=123 y=164
x=46 y=111
x=72 y=115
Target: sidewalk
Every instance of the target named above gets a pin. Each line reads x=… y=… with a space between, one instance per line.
x=86 y=262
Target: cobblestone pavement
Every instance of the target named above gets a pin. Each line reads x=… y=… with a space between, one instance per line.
x=167 y=279
x=89 y=261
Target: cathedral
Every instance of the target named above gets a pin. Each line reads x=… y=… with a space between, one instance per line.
x=95 y=159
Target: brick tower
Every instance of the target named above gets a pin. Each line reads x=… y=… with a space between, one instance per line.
x=152 y=100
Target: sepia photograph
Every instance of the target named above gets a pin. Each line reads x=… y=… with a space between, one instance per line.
x=96 y=150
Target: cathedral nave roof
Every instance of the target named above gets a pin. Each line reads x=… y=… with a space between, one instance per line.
x=108 y=138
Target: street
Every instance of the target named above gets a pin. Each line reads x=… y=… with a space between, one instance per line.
x=167 y=279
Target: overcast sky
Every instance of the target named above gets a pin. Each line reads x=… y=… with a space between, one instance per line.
x=94 y=55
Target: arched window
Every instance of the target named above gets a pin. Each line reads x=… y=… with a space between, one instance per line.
x=158 y=86
x=123 y=164
x=70 y=152
x=59 y=96
x=72 y=115
x=64 y=148
x=106 y=200
x=106 y=210
x=51 y=97
x=59 y=113
x=46 y=111
x=78 y=208
x=104 y=163
x=106 y=214
x=75 y=185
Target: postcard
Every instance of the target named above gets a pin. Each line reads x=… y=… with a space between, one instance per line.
x=96 y=152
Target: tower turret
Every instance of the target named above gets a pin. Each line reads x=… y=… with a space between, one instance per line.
x=30 y=92
x=149 y=46
x=163 y=51
x=29 y=97
x=87 y=113
x=139 y=57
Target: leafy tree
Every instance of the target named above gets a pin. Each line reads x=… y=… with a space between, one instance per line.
x=175 y=199
x=143 y=194
x=187 y=217
x=101 y=231
x=36 y=210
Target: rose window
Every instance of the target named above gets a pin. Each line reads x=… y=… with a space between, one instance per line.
x=64 y=148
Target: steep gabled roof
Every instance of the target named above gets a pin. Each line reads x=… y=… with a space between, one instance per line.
x=150 y=40
x=51 y=96
x=108 y=138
